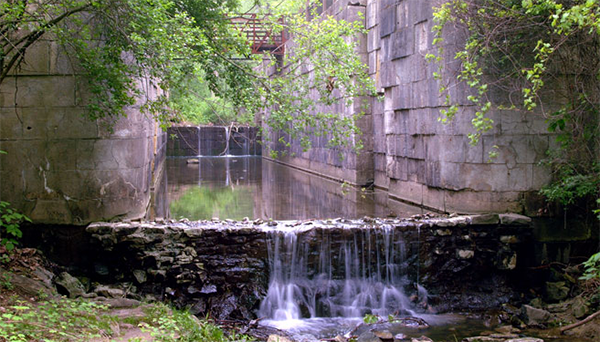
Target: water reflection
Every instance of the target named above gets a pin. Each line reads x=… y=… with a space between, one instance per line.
x=238 y=187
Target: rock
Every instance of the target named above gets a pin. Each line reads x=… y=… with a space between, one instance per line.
x=140 y=276
x=579 y=308
x=340 y=338
x=558 y=307
x=109 y=292
x=368 y=336
x=278 y=338
x=26 y=286
x=487 y=219
x=208 y=289
x=537 y=303
x=44 y=276
x=507 y=329
x=509 y=239
x=482 y=339
x=118 y=303
x=534 y=316
x=421 y=339
x=69 y=285
x=465 y=253
x=525 y=339
x=384 y=334
x=515 y=219
x=503 y=336
x=508 y=260
x=399 y=337
x=443 y=232
x=556 y=291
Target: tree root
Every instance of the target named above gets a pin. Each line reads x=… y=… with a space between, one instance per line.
x=575 y=325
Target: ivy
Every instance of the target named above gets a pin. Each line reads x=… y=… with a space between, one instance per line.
x=518 y=47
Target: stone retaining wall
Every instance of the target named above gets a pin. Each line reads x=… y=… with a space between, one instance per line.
x=222 y=269
x=407 y=151
x=61 y=167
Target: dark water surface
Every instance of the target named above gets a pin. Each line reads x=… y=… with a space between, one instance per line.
x=237 y=187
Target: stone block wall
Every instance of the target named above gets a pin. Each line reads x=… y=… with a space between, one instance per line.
x=62 y=168
x=425 y=162
x=407 y=151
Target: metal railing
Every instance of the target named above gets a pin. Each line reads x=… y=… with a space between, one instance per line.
x=260 y=35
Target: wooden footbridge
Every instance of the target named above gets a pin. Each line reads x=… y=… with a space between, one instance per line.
x=262 y=38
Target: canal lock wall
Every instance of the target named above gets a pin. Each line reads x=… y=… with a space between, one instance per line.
x=407 y=151
x=223 y=268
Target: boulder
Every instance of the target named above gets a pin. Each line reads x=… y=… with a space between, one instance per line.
x=556 y=291
x=26 y=286
x=384 y=334
x=368 y=336
x=421 y=339
x=278 y=338
x=535 y=316
x=109 y=292
x=514 y=219
x=482 y=339
x=579 y=308
x=69 y=285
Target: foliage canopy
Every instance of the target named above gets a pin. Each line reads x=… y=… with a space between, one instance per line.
x=178 y=45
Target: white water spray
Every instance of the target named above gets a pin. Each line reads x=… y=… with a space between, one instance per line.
x=336 y=273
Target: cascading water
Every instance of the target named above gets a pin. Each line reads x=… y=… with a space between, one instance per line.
x=336 y=273
x=227 y=137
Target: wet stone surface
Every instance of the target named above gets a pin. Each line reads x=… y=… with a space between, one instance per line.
x=222 y=268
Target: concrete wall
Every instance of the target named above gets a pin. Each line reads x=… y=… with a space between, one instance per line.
x=418 y=159
x=62 y=168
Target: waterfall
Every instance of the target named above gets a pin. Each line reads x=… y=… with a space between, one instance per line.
x=335 y=273
x=227 y=133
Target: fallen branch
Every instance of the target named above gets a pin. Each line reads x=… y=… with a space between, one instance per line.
x=575 y=325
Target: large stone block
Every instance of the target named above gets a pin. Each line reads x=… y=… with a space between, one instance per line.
x=403 y=15
x=416 y=169
x=434 y=198
x=422 y=33
x=372 y=16
x=7 y=93
x=481 y=202
x=402 y=43
x=11 y=127
x=387 y=15
x=402 y=97
x=373 y=62
x=45 y=91
x=388 y=75
x=408 y=191
x=373 y=39
x=433 y=175
x=420 y=10
x=35 y=61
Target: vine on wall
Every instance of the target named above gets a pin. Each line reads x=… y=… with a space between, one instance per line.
x=524 y=47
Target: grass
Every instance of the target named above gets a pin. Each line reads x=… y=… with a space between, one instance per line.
x=63 y=319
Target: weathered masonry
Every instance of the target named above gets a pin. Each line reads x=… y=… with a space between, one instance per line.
x=407 y=150
x=221 y=269
x=62 y=168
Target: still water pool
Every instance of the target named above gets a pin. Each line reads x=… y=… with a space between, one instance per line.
x=238 y=187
